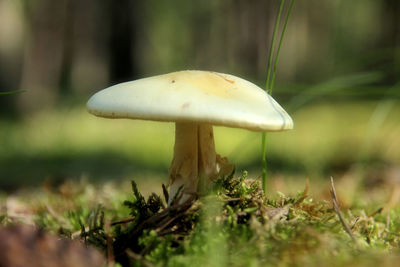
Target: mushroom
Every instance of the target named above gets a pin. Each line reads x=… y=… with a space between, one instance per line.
x=195 y=101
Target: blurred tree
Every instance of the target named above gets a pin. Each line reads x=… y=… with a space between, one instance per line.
x=390 y=42
x=68 y=49
x=76 y=47
x=225 y=35
x=90 y=46
x=60 y=35
x=46 y=22
x=65 y=49
x=11 y=38
x=122 y=40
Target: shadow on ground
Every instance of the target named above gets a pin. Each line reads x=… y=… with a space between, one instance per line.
x=34 y=170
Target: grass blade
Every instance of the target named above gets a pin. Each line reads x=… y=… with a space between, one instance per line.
x=271 y=86
x=272 y=48
x=271 y=80
x=12 y=92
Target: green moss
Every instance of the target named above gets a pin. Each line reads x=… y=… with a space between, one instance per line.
x=235 y=225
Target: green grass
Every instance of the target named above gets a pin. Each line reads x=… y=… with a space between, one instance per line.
x=234 y=226
x=79 y=167
x=270 y=80
x=70 y=143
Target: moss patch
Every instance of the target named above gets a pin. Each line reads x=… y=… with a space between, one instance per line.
x=234 y=225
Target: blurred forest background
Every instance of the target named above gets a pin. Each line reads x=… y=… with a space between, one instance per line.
x=338 y=76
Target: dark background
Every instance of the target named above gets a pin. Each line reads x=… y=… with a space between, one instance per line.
x=54 y=49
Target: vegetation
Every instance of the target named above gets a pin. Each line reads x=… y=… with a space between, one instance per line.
x=68 y=173
x=329 y=139
x=235 y=225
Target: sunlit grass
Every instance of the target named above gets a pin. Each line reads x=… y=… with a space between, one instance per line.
x=326 y=136
x=232 y=228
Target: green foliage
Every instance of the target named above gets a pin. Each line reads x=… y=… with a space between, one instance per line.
x=235 y=225
x=47 y=142
x=12 y=92
x=271 y=73
x=138 y=207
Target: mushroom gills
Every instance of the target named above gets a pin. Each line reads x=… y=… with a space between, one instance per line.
x=195 y=163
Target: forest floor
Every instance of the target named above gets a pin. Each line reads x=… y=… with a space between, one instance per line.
x=66 y=175
x=234 y=225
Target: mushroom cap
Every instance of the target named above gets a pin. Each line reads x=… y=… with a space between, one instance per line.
x=193 y=96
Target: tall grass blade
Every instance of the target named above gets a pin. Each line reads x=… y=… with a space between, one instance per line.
x=12 y=92
x=272 y=47
x=270 y=80
x=271 y=86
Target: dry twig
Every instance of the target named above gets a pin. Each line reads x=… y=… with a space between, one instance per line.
x=304 y=194
x=376 y=212
x=110 y=251
x=139 y=258
x=165 y=193
x=337 y=209
x=123 y=221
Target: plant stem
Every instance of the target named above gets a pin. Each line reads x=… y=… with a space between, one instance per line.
x=271 y=49
x=291 y=4
x=12 y=92
x=271 y=80
x=264 y=161
x=268 y=89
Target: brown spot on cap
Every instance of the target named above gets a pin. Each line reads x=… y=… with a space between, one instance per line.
x=186 y=105
x=223 y=77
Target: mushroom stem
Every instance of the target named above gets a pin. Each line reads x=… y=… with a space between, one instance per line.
x=195 y=163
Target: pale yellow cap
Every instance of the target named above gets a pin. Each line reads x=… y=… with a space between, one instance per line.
x=193 y=96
